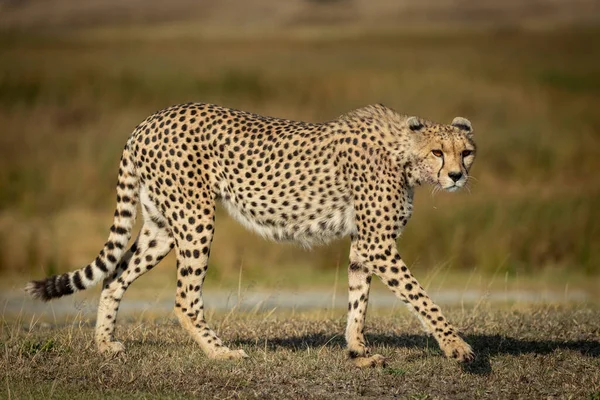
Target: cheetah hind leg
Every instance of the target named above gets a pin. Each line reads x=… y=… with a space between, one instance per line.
x=152 y=245
x=193 y=249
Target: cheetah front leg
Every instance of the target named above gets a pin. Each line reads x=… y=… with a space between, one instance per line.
x=359 y=282
x=382 y=206
x=395 y=274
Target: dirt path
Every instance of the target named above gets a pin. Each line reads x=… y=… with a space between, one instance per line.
x=17 y=303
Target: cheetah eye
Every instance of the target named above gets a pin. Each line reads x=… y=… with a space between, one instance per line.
x=467 y=153
x=437 y=153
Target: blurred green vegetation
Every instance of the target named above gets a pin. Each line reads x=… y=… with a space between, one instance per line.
x=68 y=103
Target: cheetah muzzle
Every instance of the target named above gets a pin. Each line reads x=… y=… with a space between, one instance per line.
x=287 y=180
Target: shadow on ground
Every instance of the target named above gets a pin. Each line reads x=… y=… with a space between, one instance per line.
x=485 y=346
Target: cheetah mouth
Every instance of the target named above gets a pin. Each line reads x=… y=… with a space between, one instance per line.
x=452 y=188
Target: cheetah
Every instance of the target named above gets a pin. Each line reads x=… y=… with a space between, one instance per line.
x=286 y=180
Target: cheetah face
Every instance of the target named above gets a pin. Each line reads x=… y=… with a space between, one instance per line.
x=444 y=153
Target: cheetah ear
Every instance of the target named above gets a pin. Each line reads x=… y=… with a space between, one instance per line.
x=463 y=124
x=414 y=124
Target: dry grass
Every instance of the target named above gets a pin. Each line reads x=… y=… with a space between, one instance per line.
x=68 y=103
x=523 y=352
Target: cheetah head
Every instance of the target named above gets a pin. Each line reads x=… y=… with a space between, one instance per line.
x=443 y=154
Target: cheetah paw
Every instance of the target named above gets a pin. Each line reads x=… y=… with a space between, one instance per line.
x=376 y=360
x=460 y=351
x=358 y=350
x=227 y=354
x=111 y=348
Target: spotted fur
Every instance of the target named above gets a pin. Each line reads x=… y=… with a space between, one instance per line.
x=286 y=180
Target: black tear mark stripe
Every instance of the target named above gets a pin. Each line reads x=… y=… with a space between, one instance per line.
x=442 y=167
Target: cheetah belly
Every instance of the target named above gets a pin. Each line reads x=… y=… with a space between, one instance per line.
x=332 y=223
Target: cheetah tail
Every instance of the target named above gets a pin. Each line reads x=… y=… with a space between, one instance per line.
x=108 y=259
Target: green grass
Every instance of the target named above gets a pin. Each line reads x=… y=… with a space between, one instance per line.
x=69 y=101
x=522 y=352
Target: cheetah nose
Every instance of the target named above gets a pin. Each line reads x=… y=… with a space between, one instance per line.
x=454 y=175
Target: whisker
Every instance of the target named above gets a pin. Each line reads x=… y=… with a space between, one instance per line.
x=468 y=185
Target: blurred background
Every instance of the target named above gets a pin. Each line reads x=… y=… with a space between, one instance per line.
x=77 y=76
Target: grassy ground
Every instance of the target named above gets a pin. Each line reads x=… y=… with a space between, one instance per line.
x=527 y=352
